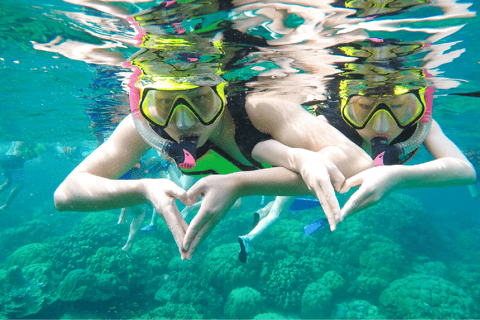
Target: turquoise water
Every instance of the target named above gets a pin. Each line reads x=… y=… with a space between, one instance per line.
x=415 y=255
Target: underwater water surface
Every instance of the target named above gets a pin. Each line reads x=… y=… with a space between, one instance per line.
x=63 y=85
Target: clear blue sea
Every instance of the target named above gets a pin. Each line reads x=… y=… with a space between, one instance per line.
x=414 y=255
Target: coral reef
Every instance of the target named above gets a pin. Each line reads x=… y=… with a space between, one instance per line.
x=30 y=232
x=357 y=309
x=286 y=282
x=371 y=267
x=23 y=295
x=222 y=268
x=173 y=311
x=28 y=254
x=85 y=285
x=244 y=303
x=316 y=301
x=425 y=296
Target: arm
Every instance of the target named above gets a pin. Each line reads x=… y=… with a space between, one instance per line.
x=307 y=145
x=294 y=127
x=450 y=168
x=92 y=185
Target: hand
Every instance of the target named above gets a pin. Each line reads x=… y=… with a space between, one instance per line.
x=319 y=174
x=375 y=183
x=162 y=194
x=218 y=193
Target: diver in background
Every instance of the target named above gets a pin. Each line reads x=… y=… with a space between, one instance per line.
x=12 y=165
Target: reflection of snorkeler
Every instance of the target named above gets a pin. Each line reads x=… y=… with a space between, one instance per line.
x=12 y=167
x=372 y=8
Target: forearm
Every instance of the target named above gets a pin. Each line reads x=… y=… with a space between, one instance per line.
x=348 y=161
x=277 y=181
x=443 y=172
x=82 y=191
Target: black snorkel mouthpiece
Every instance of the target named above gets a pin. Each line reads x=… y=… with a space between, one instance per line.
x=184 y=152
x=383 y=153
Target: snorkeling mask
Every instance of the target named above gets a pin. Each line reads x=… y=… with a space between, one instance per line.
x=159 y=105
x=405 y=107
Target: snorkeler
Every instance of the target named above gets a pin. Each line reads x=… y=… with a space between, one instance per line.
x=191 y=119
x=12 y=166
x=390 y=126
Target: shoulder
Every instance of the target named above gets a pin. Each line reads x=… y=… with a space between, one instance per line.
x=270 y=114
x=439 y=145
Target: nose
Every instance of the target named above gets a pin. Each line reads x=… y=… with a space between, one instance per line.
x=382 y=121
x=184 y=118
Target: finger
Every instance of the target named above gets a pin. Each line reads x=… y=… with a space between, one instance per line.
x=194 y=193
x=180 y=194
x=353 y=204
x=331 y=199
x=196 y=224
x=201 y=235
x=337 y=178
x=174 y=208
x=180 y=219
x=175 y=227
x=326 y=209
x=352 y=182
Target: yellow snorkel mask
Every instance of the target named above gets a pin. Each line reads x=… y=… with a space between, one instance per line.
x=404 y=106
x=160 y=102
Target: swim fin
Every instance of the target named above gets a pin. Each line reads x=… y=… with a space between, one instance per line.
x=304 y=204
x=311 y=228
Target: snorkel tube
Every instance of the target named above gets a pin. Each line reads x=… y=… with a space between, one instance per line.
x=385 y=154
x=183 y=153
